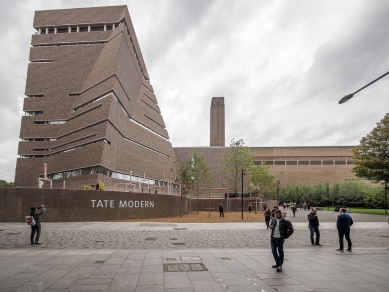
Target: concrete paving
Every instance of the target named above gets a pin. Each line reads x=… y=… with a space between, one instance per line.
x=129 y=256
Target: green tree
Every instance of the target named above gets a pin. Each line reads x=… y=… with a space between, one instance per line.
x=238 y=157
x=261 y=178
x=183 y=176
x=372 y=155
x=202 y=179
x=4 y=184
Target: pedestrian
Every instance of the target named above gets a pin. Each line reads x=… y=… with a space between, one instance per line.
x=264 y=208
x=314 y=227
x=250 y=207
x=343 y=223
x=308 y=206
x=294 y=209
x=36 y=229
x=267 y=218
x=281 y=229
x=221 y=210
x=272 y=211
x=284 y=205
x=305 y=206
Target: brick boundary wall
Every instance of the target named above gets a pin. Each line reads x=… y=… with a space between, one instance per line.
x=78 y=205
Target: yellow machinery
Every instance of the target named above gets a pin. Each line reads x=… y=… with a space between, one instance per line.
x=99 y=186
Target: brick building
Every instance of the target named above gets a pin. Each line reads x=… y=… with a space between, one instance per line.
x=90 y=111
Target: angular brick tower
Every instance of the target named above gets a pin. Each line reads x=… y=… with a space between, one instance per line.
x=217 y=122
x=90 y=111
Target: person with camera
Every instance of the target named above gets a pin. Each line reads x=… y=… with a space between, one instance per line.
x=281 y=229
x=36 y=229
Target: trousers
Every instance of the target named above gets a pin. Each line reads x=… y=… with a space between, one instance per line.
x=277 y=248
x=344 y=232
x=35 y=229
x=317 y=231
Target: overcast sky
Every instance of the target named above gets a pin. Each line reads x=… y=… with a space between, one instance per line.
x=282 y=67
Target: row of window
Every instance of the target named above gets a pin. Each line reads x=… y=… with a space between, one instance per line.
x=77 y=28
x=105 y=171
x=306 y=162
x=55 y=122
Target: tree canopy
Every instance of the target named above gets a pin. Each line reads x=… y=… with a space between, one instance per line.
x=261 y=178
x=238 y=157
x=372 y=154
x=4 y=184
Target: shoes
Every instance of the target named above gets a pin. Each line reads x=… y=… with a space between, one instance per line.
x=38 y=243
x=339 y=249
x=318 y=244
x=313 y=244
x=32 y=242
x=275 y=266
x=349 y=249
x=279 y=269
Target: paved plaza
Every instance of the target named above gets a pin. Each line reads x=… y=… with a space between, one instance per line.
x=129 y=256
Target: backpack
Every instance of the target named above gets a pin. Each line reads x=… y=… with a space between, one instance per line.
x=30 y=220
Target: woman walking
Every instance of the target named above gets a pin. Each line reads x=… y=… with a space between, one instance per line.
x=36 y=229
x=267 y=217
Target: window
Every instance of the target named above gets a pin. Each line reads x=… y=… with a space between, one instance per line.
x=97 y=28
x=34 y=95
x=291 y=163
x=340 y=162
x=351 y=162
x=315 y=162
x=328 y=162
x=83 y=28
x=33 y=113
x=303 y=162
x=62 y=30
x=109 y=27
x=279 y=162
x=51 y=30
x=73 y=29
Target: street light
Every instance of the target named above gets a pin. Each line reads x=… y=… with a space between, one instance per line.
x=349 y=96
x=243 y=173
x=278 y=184
x=328 y=196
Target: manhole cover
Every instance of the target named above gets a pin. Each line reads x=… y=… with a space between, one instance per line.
x=178 y=243
x=184 y=267
x=99 y=262
x=171 y=259
x=150 y=238
x=179 y=228
x=226 y=259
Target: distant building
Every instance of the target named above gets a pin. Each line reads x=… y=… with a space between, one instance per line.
x=90 y=111
x=217 y=122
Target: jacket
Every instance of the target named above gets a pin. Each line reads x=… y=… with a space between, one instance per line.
x=37 y=215
x=344 y=221
x=286 y=228
x=313 y=220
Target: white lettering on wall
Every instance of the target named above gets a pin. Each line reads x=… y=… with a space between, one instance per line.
x=122 y=204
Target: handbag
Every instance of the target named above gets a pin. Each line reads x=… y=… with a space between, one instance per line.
x=30 y=220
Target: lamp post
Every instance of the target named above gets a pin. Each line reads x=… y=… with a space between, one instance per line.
x=386 y=197
x=243 y=173
x=349 y=96
x=328 y=196
x=278 y=184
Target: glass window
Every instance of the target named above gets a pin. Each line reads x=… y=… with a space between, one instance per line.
x=315 y=162
x=291 y=163
x=328 y=162
x=278 y=162
x=303 y=162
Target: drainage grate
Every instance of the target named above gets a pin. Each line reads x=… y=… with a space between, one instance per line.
x=98 y=262
x=179 y=228
x=171 y=259
x=178 y=243
x=150 y=238
x=184 y=267
x=226 y=259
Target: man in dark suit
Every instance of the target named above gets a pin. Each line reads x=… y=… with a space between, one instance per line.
x=343 y=223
